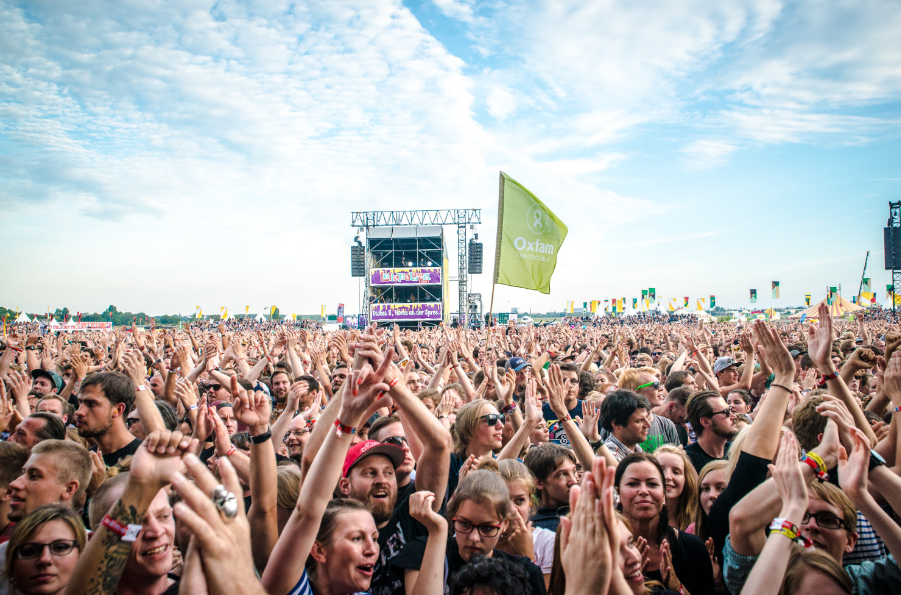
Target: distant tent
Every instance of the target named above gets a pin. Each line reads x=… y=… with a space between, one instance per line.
x=23 y=317
x=54 y=323
x=259 y=317
x=840 y=307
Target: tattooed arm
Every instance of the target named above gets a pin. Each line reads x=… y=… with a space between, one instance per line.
x=100 y=566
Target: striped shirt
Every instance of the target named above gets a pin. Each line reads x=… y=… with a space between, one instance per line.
x=303 y=586
x=619 y=450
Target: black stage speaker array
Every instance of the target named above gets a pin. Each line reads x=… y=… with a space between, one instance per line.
x=357 y=261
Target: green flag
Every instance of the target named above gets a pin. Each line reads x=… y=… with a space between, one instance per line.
x=529 y=236
x=865 y=284
x=713 y=301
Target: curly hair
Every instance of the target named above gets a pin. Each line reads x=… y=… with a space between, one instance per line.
x=490 y=576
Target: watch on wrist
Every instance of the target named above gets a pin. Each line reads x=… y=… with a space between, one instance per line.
x=876 y=460
x=261 y=438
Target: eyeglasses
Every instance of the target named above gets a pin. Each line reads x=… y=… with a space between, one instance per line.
x=728 y=412
x=824 y=520
x=494 y=418
x=397 y=441
x=484 y=530
x=130 y=421
x=655 y=384
x=297 y=433
x=60 y=547
x=214 y=386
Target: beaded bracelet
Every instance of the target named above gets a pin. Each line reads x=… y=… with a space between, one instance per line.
x=509 y=408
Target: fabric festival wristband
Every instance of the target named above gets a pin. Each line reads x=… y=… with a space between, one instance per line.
x=231 y=451
x=341 y=429
x=393 y=382
x=125 y=532
x=785 y=527
x=509 y=408
x=826 y=378
x=817 y=468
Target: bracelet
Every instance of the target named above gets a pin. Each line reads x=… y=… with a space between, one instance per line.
x=393 y=382
x=261 y=438
x=790 y=530
x=140 y=387
x=817 y=464
x=442 y=417
x=826 y=378
x=231 y=451
x=896 y=410
x=780 y=386
x=567 y=417
x=192 y=407
x=125 y=532
x=341 y=429
x=27 y=348
x=509 y=408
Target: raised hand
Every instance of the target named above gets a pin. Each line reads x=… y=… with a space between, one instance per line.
x=251 y=408
x=133 y=363
x=853 y=468
x=774 y=352
x=589 y=422
x=421 y=504
x=158 y=457
x=788 y=477
x=819 y=341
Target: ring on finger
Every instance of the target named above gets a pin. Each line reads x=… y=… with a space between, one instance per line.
x=225 y=501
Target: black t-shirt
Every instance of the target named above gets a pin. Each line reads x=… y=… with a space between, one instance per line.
x=548 y=518
x=411 y=558
x=114 y=458
x=683 y=434
x=750 y=472
x=691 y=563
x=555 y=429
x=400 y=530
x=404 y=492
x=699 y=456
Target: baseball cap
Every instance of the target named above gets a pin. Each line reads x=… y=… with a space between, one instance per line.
x=516 y=364
x=722 y=363
x=360 y=451
x=50 y=375
x=794 y=353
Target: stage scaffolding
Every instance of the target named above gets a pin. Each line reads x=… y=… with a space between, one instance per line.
x=421 y=250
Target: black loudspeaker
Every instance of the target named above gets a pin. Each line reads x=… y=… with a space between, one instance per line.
x=892 y=242
x=357 y=261
x=475 y=258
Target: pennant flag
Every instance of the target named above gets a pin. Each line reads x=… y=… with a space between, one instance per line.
x=198 y=313
x=606 y=305
x=775 y=290
x=672 y=304
x=865 y=285
x=323 y=311
x=594 y=306
x=644 y=294
x=246 y=310
x=830 y=296
x=647 y=304
x=806 y=299
x=853 y=299
x=652 y=295
x=529 y=236
x=700 y=304
x=686 y=302
x=889 y=290
x=634 y=303
x=223 y=312
x=753 y=296
x=712 y=301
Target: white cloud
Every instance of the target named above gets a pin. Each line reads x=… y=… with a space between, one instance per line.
x=501 y=103
x=456 y=9
x=704 y=154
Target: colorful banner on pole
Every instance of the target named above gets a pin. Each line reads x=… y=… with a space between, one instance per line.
x=775 y=290
x=868 y=296
x=340 y=313
x=686 y=302
x=865 y=285
x=672 y=304
x=400 y=312
x=806 y=299
x=830 y=295
x=700 y=304
x=712 y=301
x=407 y=276
x=529 y=236
x=652 y=295
x=753 y=296
x=635 y=303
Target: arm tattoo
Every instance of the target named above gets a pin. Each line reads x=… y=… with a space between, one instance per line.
x=109 y=571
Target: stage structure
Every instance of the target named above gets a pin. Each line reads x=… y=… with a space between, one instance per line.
x=405 y=265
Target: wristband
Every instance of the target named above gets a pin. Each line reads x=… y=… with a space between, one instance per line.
x=140 y=387
x=192 y=407
x=896 y=410
x=566 y=417
x=826 y=378
x=261 y=438
x=817 y=464
x=231 y=451
x=125 y=532
x=341 y=429
x=442 y=417
x=393 y=382
x=509 y=408
x=790 y=530
x=780 y=386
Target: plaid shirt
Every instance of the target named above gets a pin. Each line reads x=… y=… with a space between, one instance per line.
x=619 y=450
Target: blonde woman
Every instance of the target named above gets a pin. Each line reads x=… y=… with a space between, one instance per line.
x=681 y=486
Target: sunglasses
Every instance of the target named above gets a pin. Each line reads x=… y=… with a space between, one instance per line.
x=655 y=384
x=494 y=418
x=214 y=386
x=397 y=441
x=727 y=412
x=60 y=547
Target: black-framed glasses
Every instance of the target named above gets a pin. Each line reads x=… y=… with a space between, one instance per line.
x=130 y=421
x=494 y=418
x=655 y=384
x=59 y=547
x=825 y=520
x=297 y=433
x=727 y=412
x=214 y=386
x=461 y=526
x=397 y=441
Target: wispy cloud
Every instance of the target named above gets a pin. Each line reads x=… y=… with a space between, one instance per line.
x=704 y=154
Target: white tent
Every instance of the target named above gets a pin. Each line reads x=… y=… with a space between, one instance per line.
x=259 y=317
x=23 y=317
x=54 y=323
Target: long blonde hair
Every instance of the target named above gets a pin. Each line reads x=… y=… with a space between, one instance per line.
x=466 y=423
x=686 y=507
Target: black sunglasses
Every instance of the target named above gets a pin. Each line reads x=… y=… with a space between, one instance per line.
x=397 y=441
x=214 y=386
x=494 y=418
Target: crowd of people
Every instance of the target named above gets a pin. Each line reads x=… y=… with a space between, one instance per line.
x=668 y=455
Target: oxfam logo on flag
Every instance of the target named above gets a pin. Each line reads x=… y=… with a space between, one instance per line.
x=537 y=219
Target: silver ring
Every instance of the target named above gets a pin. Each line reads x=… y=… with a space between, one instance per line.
x=225 y=501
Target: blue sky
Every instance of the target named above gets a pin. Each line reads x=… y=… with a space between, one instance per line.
x=162 y=155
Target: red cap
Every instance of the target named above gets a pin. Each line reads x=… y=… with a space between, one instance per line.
x=364 y=449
